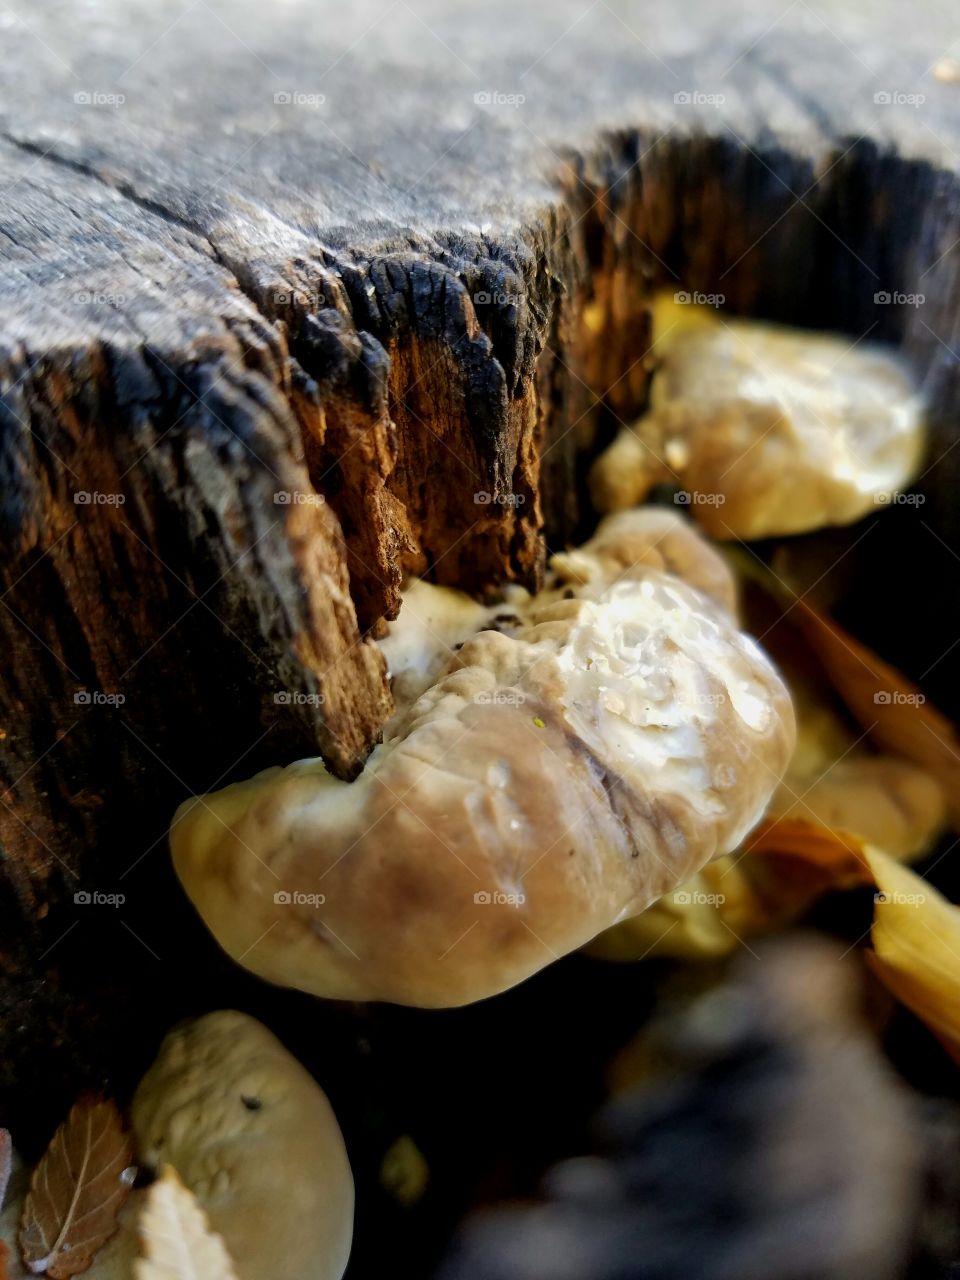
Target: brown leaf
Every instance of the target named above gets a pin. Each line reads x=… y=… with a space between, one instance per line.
x=175 y=1238
x=838 y=853
x=76 y=1191
x=884 y=701
x=4 y=1261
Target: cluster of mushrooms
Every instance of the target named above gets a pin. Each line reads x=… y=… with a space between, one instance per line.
x=556 y=764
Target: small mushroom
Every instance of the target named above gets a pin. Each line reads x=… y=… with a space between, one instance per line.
x=769 y=430
x=252 y=1135
x=554 y=778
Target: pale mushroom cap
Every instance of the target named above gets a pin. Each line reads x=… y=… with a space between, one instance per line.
x=771 y=430
x=252 y=1135
x=551 y=782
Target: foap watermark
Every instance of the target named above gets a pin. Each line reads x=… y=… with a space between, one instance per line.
x=485 y=499
x=501 y=698
x=497 y=298
x=294 y=698
x=900 y=499
x=696 y=98
x=884 y=298
x=295 y=98
x=294 y=898
x=308 y=299
x=702 y=699
x=496 y=98
x=694 y=298
x=96 y=898
x=895 y=98
x=498 y=898
x=98 y=98
x=696 y=897
x=895 y=898
x=297 y=498
x=697 y=498
x=94 y=498
x=97 y=698
x=93 y=297
x=897 y=698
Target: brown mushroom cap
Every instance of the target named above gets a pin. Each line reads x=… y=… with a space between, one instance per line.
x=549 y=783
x=771 y=430
x=252 y=1135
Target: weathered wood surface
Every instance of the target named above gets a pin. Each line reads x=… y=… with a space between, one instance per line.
x=324 y=250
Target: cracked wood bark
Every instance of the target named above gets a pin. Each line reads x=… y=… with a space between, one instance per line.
x=221 y=290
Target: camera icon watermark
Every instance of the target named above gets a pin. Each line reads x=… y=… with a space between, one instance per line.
x=494 y=98
x=297 y=498
x=97 y=698
x=695 y=98
x=694 y=298
x=97 y=98
x=94 y=498
x=501 y=698
x=897 y=698
x=483 y=498
x=497 y=898
x=294 y=898
x=295 y=698
x=894 y=98
x=293 y=98
x=697 y=498
x=308 y=299
x=95 y=898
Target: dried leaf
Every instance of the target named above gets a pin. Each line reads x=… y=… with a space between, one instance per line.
x=76 y=1192
x=885 y=702
x=707 y=916
x=916 y=939
x=6 y=1163
x=838 y=853
x=890 y=803
x=176 y=1240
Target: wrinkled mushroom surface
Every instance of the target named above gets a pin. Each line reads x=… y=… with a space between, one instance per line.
x=252 y=1135
x=557 y=775
x=769 y=430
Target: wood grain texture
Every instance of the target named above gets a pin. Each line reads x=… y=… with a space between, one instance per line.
x=325 y=251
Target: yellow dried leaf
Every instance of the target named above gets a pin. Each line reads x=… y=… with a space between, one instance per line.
x=916 y=940
x=707 y=916
x=891 y=707
x=176 y=1240
x=890 y=803
x=780 y=871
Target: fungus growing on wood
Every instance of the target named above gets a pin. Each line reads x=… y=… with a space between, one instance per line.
x=768 y=430
x=555 y=776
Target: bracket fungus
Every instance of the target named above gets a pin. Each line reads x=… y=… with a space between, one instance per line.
x=771 y=430
x=590 y=749
x=252 y=1135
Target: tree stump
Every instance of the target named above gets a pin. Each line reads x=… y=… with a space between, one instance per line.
x=298 y=300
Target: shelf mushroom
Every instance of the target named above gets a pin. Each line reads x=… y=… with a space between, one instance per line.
x=767 y=430
x=252 y=1135
x=590 y=749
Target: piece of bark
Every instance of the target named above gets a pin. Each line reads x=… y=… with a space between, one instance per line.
x=413 y=292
